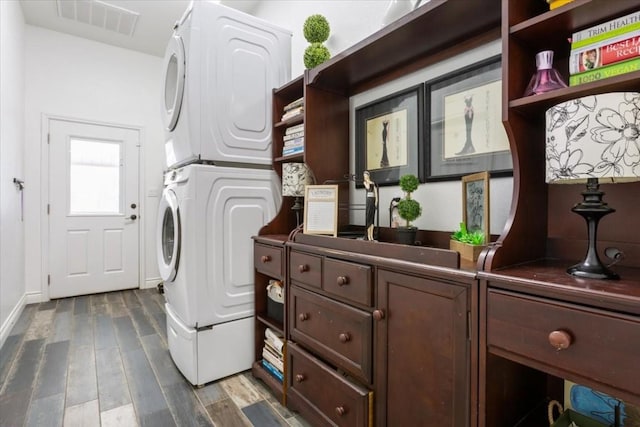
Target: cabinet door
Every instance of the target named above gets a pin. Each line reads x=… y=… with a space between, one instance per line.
x=422 y=360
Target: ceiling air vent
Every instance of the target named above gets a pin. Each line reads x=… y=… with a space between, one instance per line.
x=99 y=14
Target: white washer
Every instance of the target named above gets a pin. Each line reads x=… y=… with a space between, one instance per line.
x=220 y=68
x=207 y=216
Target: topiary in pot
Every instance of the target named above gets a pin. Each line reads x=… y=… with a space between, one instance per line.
x=408 y=209
x=315 y=54
x=316 y=29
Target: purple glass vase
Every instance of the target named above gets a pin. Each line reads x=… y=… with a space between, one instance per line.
x=546 y=77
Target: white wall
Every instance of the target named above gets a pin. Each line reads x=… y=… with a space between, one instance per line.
x=77 y=78
x=12 y=286
x=352 y=21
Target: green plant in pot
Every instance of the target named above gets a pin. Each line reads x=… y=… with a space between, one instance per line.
x=409 y=209
x=468 y=243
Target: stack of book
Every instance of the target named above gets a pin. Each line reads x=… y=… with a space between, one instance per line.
x=293 y=140
x=272 y=355
x=293 y=109
x=605 y=50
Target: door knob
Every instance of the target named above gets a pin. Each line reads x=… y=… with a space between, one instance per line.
x=133 y=206
x=133 y=217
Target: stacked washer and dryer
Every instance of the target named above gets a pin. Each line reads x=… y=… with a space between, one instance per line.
x=219 y=187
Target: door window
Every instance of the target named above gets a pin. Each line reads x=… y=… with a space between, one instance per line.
x=95 y=177
x=171 y=83
x=168 y=236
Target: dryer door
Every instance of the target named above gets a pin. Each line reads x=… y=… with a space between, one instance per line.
x=169 y=232
x=174 y=76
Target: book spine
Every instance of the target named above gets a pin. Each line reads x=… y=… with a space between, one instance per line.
x=294 y=142
x=297 y=103
x=606 y=30
x=278 y=364
x=269 y=346
x=596 y=56
x=272 y=370
x=274 y=339
x=616 y=69
x=293 y=136
x=292 y=113
x=294 y=129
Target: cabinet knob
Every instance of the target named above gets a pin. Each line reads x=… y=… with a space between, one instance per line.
x=342 y=280
x=303 y=267
x=300 y=378
x=303 y=316
x=340 y=411
x=265 y=258
x=560 y=340
x=344 y=337
x=378 y=314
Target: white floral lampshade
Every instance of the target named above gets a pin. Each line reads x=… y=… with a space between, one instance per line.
x=597 y=136
x=594 y=140
x=295 y=176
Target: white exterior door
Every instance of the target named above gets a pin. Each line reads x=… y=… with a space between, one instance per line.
x=93 y=208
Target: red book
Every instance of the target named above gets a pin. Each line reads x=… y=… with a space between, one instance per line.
x=605 y=53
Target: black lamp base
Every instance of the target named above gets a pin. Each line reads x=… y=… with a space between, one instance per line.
x=592 y=208
x=297 y=209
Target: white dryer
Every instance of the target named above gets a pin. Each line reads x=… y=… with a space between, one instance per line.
x=207 y=216
x=220 y=68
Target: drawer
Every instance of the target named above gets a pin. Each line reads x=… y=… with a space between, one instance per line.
x=348 y=280
x=331 y=396
x=602 y=346
x=336 y=332
x=268 y=260
x=306 y=268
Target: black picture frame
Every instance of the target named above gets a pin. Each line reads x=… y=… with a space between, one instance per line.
x=389 y=155
x=464 y=116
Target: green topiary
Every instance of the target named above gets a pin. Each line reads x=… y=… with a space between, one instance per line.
x=316 y=29
x=408 y=208
x=315 y=54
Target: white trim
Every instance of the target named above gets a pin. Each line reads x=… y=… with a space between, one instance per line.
x=5 y=329
x=151 y=283
x=44 y=199
x=34 y=297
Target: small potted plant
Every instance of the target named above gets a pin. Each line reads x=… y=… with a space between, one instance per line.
x=316 y=31
x=468 y=243
x=408 y=209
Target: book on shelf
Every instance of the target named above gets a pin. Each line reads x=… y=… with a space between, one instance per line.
x=275 y=340
x=272 y=370
x=293 y=113
x=294 y=129
x=292 y=151
x=606 y=53
x=293 y=135
x=294 y=104
x=294 y=142
x=607 y=71
x=268 y=346
x=276 y=362
x=606 y=30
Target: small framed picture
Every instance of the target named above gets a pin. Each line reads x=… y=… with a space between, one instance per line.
x=321 y=210
x=466 y=134
x=475 y=203
x=388 y=135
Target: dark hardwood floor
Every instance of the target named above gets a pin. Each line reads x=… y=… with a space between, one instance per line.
x=102 y=360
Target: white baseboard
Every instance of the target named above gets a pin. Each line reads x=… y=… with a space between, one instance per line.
x=5 y=329
x=151 y=283
x=35 y=297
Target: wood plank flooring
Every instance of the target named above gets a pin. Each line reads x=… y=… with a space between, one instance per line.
x=102 y=360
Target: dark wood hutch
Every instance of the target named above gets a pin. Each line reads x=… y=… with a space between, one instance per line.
x=422 y=328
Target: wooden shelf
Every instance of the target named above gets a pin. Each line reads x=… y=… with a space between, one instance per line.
x=272 y=382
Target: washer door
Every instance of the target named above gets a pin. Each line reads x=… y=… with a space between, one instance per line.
x=168 y=229
x=174 y=77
